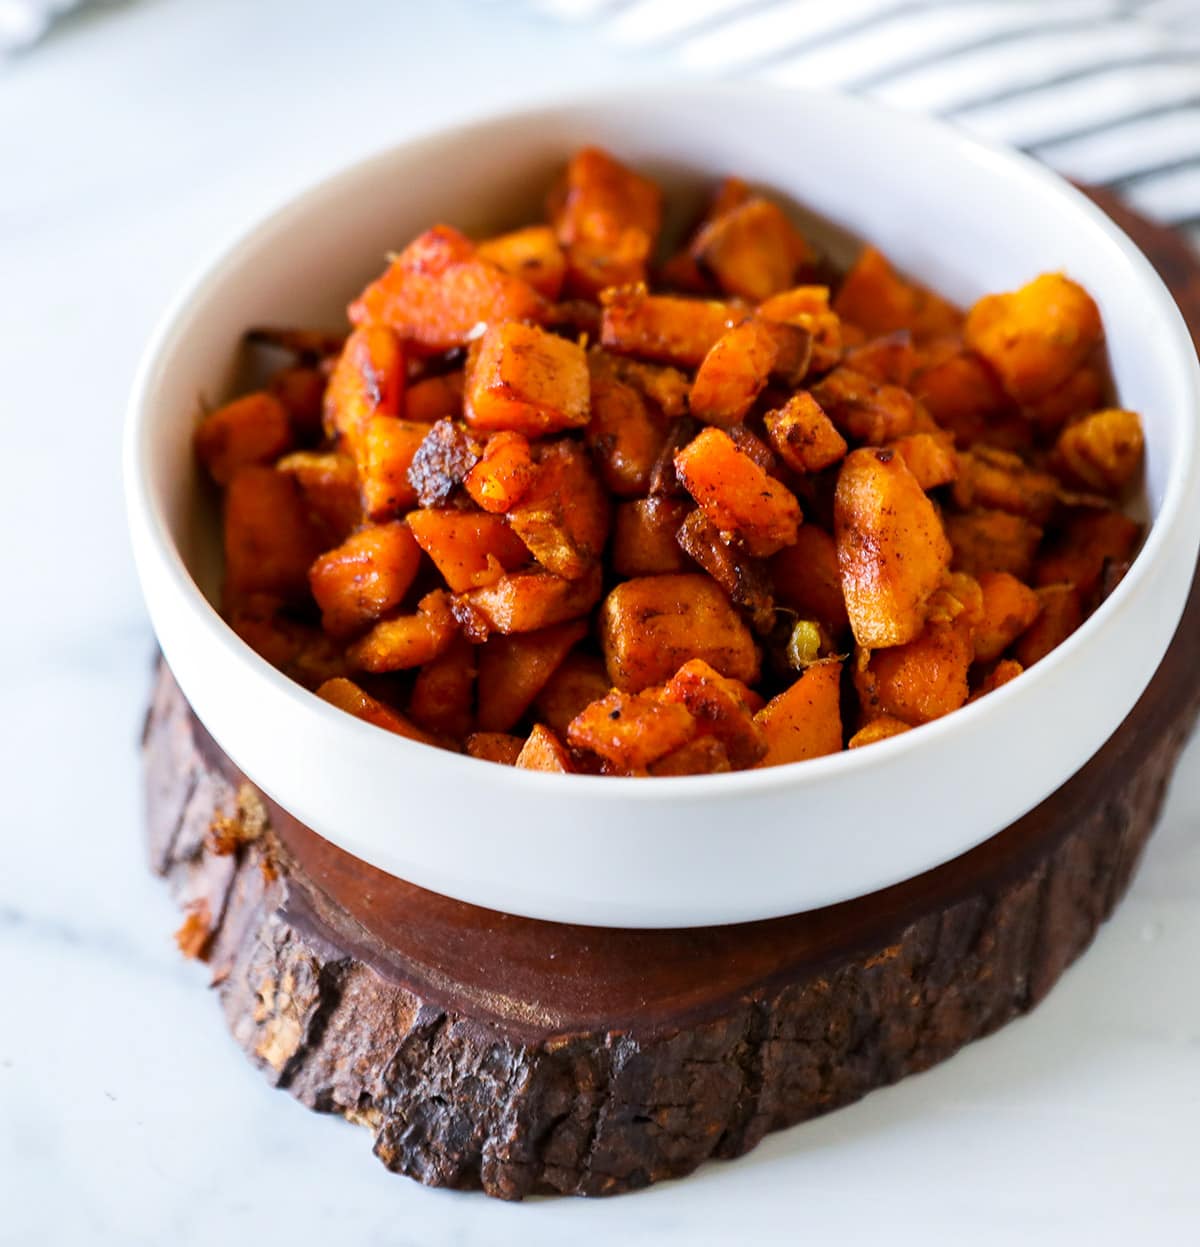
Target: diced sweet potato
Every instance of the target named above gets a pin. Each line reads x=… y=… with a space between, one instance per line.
x=743 y=577
x=368 y=380
x=704 y=755
x=921 y=680
x=579 y=680
x=624 y=438
x=803 y=436
x=443 y=461
x=960 y=391
x=752 y=250
x=365 y=577
x=891 y=359
x=644 y=541
x=527 y=601
x=807 y=580
x=513 y=670
x=1005 y=670
x=631 y=730
x=665 y=388
x=1037 y=336
x=385 y=453
x=877 y=299
x=250 y=430
x=736 y=494
x=1061 y=613
x=805 y=720
x=957 y=600
x=409 y=640
x=438 y=291
x=733 y=374
x=270 y=538
x=1009 y=607
x=718 y=707
x=532 y=254
x=329 y=483
x=299 y=650
x=998 y=479
x=469 y=548
x=1102 y=451
x=1090 y=540
x=543 y=751
x=993 y=541
x=301 y=390
x=808 y=307
x=347 y=696
x=495 y=747
x=930 y=458
x=892 y=550
x=664 y=327
x=434 y=398
x=882 y=728
x=1085 y=390
x=664 y=480
x=864 y=410
x=651 y=625
x=503 y=476
x=564 y=516
x=443 y=694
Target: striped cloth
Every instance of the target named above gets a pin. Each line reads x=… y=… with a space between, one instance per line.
x=1105 y=91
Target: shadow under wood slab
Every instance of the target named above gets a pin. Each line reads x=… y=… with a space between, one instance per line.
x=485 y=1050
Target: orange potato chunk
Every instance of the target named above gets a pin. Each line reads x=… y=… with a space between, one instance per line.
x=443 y=694
x=1006 y=669
x=719 y=709
x=803 y=436
x=495 y=747
x=407 y=641
x=447 y=454
x=666 y=389
x=960 y=391
x=533 y=254
x=384 y=455
x=805 y=720
x=513 y=670
x=579 y=680
x=921 y=680
x=297 y=649
x=998 y=479
x=329 y=483
x=527 y=601
x=644 y=541
x=1102 y=451
x=347 y=696
x=752 y=250
x=1089 y=541
x=743 y=577
x=704 y=755
x=993 y=541
x=1061 y=613
x=368 y=380
x=878 y=300
x=865 y=410
x=1009 y=607
x=1085 y=390
x=248 y=431
x=631 y=730
x=625 y=440
x=930 y=457
x=733 y=373
x=365 y=577
x=543 y=751
x=891 y=359
x=807 y=579
x=469 y=548
x=808 y=307
x=664 y=327
x=270 y=538
x=434 y=398
x=503 y=475
x=881 y=728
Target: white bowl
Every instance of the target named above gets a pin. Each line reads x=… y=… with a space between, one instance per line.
x=705 y=849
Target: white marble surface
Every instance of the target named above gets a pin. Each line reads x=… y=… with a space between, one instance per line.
x=131 y=143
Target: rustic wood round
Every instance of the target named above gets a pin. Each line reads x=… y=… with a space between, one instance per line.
x=485 y=1050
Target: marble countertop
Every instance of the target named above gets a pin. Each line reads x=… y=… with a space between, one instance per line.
x=131 y=143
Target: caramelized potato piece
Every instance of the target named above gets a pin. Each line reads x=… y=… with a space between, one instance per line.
x=752 y=250
x=270 y=538
x=513 y=670
x=808 y=307
x=1061 y=613
x=960 y=391
x=892 y=550
x=919 y=681
x=443 y=461
x=368 y=380
x=1085 y=390
x=365 y=577
x=329 y=483
x=625 y=440
x=533 y=254
x=631 y=730
x=543 y=751
x=878 y=300
x=407 y=641
x=891 y=359
x=651 y=625
x=718 y=707
x=993 y=541
x=502 y=477
x=881 y=728
x=803 y=436
x=438 y=290
x=443 y=694
x=644 y=541
x=1080 y=552
x=665 y=388
x=495 y=747
x=664 y=327
x=1006 y=669
x=564 y=517
x=579 y=680
x=527 y=380
x=704 y=755
x=930 y=457
x=736 y=495
x=297 y=649
x=865 y=410
x=385 y=453
x=435 y=398
x=248 y=431
x=347 y=696
x=527 y=601
x=1003 y=481
x=1102 y=451
x=743 y=577
x=469 y=548
x=1009 y=607
x=805 y=720
x=733 y=374
x=1037 y=336
x=808 y=581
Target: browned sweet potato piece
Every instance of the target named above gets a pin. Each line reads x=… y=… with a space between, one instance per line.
x=270 y=538
x=664 y=480
x=803 y=436
x=1006 y=669
x=743 y=577
x=805 y=720
x=528 y=380
x=347 y=696
x=469 y=548
x=993 y=541
x=365 y=577
x=704 y=755
x=329 y=483
x=644 y=541
x=513 y=670
x=1009 y=607
x=919 y=681
x=624 y=438
x=807 y=579
x=631 y=730
x=736 y=494
x=368 y=380
x=891 y=359
x=1037 y=336
x=443 y=461
x=651 y=625
x=808 y=307
x=443 y=694
x=1102 y=451
x=385 y=453
x=752 y=249
x=250 y=430
x=532 y=254
x=877 y=299
x=495 y=747
x=433 y=398
x=666 y=388
x=1061 y=614
x=892 y=550
x=564 y=515
x=717 y=705
x=438 y=290
x=527 y=601
x=408 y=640
x=1085 y=390
x=998 y=479
x=881 y=728
x=863 y=409
x=301 y=390
x=930 y=458
x=299 y=650
x=960 y=391
x=579 y=680
x=503 y=476
x=1089 y=541
x=543 y=751
x=733 y=373
x=664 y=327
x=681 y=270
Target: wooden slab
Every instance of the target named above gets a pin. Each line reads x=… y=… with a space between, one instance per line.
x=485 y=1050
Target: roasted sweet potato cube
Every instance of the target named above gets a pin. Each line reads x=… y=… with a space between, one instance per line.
x=1061 y=614
x=1006 y=669
x=930 y=458
x=528 y=380
x=250 y=430
x=877 y=299
x=347 y=696
x=365 y=577
x=443 y=694
x=533 y=254
x=329 y=483
x=743 y=577
x=960 y=391
x=543 y=751
x=664 y=327
x=495 y=747
x=644 y=541
x=805 y=720
x=752 y=250
x=564 y=516
x=892 y=549
x=999 y=479
x=1037 y=336
x=651 y=625
x=921 y=680
x=1089 y=541
x=807 y=580
x=803 y=436
x=408 y=640
x=667 y=389
x=438 y=291
x=631 y=730
x=704 y=755
x=864 y=410
x=733 y=373
x=270 y=538
x=1009 y=607
x=1102 y=451
x=298 y=649
x=993 y=541
x=503 y=475
x=882 y=728
x=891 y=359
x=958 y=600
x=624 y=438
x=513 y=670
x=717 y=705
x=447 y=454
x=579 y=680
x=1085 y=390
x=384 y=455
x=527 y=601
x=434 y=398
x=808 y=307
x=301 y=390
x=469 y=548
x=736 y=495
x=368 y=380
